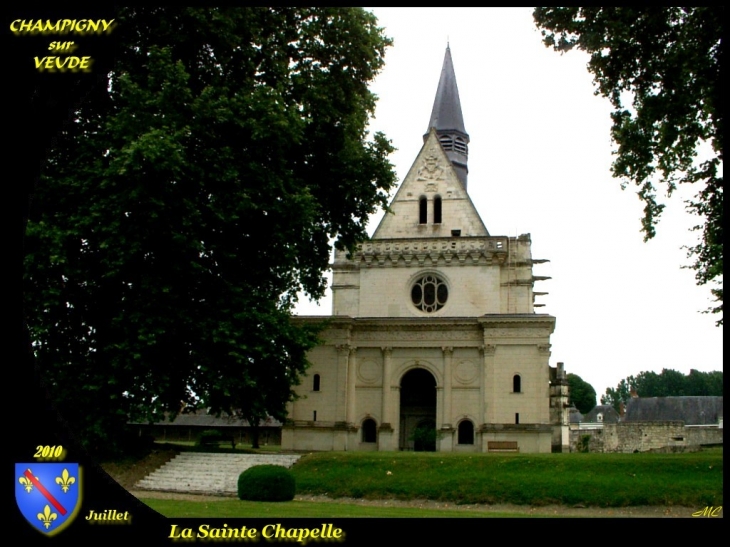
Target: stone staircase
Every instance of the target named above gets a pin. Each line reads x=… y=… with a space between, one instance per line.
x=208 y=473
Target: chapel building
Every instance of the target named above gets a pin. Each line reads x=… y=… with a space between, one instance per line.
x=433 y=342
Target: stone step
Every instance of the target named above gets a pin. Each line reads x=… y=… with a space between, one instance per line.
x=202 y=472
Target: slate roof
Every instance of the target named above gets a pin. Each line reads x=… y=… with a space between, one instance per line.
x=574 y=415
x=610 y=416
x=690 y=410
x=448 y=121
x=446 y=113
x=202 y=419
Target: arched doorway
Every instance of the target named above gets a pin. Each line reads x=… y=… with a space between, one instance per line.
x=418 y=411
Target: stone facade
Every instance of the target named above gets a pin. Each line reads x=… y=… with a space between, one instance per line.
x=433 y=343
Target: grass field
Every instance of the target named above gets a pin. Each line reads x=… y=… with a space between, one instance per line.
x=234 y=508
x=691 y=480
x=601 y=480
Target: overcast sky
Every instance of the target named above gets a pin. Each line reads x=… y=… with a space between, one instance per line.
x=539 y=163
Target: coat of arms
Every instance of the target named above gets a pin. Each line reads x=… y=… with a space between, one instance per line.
x=48 y=494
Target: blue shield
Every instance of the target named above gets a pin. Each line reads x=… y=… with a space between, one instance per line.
x=48 y=494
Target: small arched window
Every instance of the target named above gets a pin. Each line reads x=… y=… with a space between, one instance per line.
x=315 y=382
x=437 y=210
x=466 y=432
x=517 y=384
x=369 y=431
x=422 y=210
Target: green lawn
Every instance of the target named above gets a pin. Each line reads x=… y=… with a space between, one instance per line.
x=234 y=508
x=693 y=480
x=601 y=480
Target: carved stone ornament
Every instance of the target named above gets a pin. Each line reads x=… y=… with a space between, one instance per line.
x=465 y=372
x=488 y=349
x=431 y=169
x=368 y=372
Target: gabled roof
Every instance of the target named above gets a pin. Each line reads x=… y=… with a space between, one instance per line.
x=690 y=410
x=431 y=175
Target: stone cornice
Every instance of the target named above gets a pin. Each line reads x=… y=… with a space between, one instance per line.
x=515 y=320
x=436 y=251
x=438 y=332
x=515 y=428
x=501 y=320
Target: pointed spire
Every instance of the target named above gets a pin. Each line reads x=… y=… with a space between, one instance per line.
x=446 y=113
x=447 y=120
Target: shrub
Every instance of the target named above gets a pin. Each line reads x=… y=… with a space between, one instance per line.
x=211 y=437
x=266 y=483
x=424 y=439
x=584 y=443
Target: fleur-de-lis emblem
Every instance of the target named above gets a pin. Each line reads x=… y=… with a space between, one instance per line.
x=65 y=480
x=25 y=481
x=47 y=517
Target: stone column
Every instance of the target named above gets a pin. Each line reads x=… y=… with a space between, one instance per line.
x=351 y=374
x=448 y=356
x=487 y=381
x=386 y=421
x=341 y=395
x=340 y=435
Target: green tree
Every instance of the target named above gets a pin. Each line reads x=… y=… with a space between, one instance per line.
x=618 y=395
x=581 y=394
x=190 y=200
x=668 y=62
x=669 y=383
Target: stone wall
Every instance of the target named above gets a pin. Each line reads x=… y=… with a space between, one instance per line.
x=643 y=437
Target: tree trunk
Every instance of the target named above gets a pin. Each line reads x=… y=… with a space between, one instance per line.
x=254 y=433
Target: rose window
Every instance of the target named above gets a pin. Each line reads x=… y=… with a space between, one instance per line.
x=429 y=293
